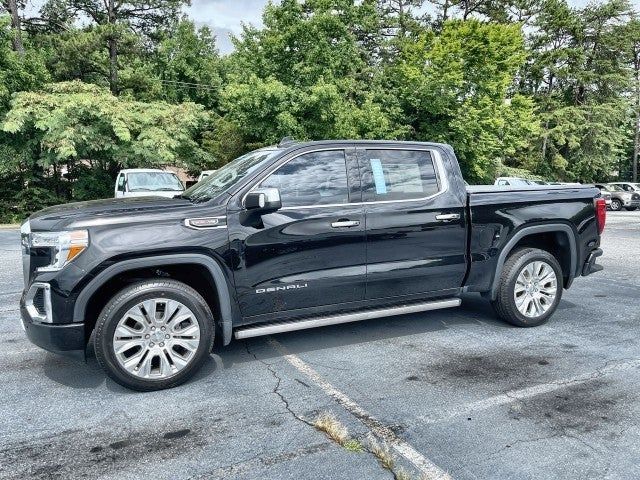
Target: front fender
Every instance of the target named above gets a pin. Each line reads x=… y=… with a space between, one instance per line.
x=228 y=306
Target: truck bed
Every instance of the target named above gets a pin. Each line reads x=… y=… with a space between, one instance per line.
x=497 y=213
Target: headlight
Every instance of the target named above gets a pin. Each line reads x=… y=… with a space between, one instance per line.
x=65 y=246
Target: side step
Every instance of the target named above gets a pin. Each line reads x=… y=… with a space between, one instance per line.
x=270 y=328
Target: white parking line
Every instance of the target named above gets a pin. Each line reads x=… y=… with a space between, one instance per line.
x=427 y=467
x=528 y=392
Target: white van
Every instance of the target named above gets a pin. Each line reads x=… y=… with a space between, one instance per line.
x=145 y=182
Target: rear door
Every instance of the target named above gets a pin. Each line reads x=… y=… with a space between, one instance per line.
x=311 y=252
x=416 y=232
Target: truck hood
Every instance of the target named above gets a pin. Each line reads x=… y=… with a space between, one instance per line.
x=118 y=210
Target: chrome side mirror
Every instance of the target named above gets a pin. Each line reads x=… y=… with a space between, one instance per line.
x=263 y=199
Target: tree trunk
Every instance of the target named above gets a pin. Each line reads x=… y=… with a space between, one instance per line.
x=545 y=139
x=113 y=50
x=16 y=41
x=636 y=139
x=445 y=11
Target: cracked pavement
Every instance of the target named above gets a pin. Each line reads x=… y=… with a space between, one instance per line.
x=478 y=398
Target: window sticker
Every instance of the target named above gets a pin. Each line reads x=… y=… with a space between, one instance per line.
x=378 y=176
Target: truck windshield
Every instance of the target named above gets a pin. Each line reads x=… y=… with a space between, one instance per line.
x=227 y=176
x=153 y=182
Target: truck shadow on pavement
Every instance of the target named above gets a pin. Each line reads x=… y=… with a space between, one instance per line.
x=473 y=312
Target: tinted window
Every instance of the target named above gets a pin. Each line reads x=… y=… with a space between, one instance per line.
x=121 y=183
x=399 y=175
x=317 y=178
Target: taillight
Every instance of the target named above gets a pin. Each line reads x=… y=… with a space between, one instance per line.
x=601 y=213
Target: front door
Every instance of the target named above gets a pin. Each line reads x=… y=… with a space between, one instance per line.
x=309 y=253
x=416 y=234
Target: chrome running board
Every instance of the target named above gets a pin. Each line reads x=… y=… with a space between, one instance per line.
x=271 y=328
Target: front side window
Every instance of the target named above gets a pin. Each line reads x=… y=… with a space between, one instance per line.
x=315 y=178
x=230 y=175
x=399 y=175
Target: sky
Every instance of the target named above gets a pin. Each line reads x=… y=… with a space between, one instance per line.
x=225 y=17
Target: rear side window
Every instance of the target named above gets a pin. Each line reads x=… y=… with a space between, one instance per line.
x=398 y=175
x=315 y=178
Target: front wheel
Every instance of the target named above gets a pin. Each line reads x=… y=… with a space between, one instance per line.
x=529 y=289
x=154 y=334
x=616 y=205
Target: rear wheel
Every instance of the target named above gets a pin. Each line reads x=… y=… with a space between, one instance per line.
x=631 y=209
x=530 y=288
x=154 y=334
x=616 y=205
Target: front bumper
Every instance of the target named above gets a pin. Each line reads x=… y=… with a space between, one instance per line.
x=66 y=339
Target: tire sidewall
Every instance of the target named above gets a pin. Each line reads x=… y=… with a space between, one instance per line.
x=511 y=285
x=616 y=205
x=130 y=297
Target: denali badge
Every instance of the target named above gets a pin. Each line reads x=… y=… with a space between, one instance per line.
x=293 y=286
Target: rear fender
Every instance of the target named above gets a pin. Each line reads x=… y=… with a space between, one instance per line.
x=532 y=230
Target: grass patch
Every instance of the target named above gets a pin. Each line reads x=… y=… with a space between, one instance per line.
x=353 y=445
x=329 y=424
x=336 y=431
x=383 y=453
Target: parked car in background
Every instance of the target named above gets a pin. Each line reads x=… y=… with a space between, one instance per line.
x=628 y=186
x=620 y=198
x=564 y=183
x=514 y=182
x=146 y=182
x=606 y=194
x=204 y=174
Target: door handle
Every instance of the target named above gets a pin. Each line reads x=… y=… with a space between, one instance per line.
x=345 y=223
x=447 y=217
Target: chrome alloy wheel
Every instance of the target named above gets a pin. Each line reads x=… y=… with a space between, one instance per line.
x=156 y=338
x=536 y=289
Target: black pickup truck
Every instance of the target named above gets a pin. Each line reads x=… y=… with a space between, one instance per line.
x=291 y=237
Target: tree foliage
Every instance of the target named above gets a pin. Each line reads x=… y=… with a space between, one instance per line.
x=527 y=87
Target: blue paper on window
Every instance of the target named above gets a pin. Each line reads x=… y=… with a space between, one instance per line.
x=378 y=176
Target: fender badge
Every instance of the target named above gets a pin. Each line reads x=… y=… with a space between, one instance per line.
x=206 y=222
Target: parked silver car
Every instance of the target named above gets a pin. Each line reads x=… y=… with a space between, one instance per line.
x=620 y=198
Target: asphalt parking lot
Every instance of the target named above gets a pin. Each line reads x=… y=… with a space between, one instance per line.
x=455 y=393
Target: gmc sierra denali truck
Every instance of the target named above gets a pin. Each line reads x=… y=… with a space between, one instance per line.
x=291 y=237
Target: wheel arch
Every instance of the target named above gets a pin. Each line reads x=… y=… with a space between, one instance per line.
x=99 y=285
x=520 y=237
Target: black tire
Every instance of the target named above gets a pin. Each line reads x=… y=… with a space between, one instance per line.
x=631 y=209
x=129 y=297
x=616 y=205
x=505 y=303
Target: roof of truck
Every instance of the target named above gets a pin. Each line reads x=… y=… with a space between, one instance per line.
x=294 y=143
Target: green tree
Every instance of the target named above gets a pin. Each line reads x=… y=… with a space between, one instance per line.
x=74 y=121
x=114 y=19
x=578 y=79
x=456 y=87
x=188 y=64
x=309 y=74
